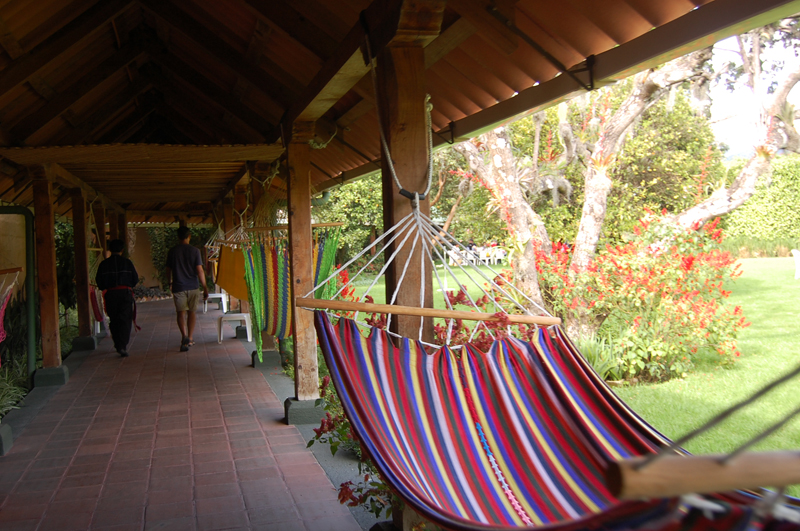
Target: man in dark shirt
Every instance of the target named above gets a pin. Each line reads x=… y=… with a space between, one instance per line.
x=116 y=277
x=185 y=268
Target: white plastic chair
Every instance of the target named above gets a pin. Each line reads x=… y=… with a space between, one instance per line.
x=796 y=255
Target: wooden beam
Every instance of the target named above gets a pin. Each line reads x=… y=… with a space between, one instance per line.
x=459 y=31
x=492 y=30
x=99 y=212
x=82 y=27
x=79 y=212
x=389 y=21
x=44 y=225
x=416 y=311
x=9 y=42
x=214 y=92
x=66 y=179
x=106 y=112
x=306 y=370
x=29 y=125
x=122 y=230
x=171 y=213
x=113 y=226
x=284 y=16
x=124 y=153
x=197 y=134
x=228 y=188
x=277 y=84
x=122 y=129
x=197 y=108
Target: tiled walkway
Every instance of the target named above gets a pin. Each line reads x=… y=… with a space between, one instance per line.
x=166 y=440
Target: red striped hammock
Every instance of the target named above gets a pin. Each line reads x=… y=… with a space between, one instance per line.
x=516 y=437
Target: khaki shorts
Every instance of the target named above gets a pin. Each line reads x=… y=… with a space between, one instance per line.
x=187 y=300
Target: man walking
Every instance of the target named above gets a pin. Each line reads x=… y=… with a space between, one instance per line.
x=116 y=277
x=185 y=269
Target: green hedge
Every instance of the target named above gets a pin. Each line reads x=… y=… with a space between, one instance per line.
x=773 y=213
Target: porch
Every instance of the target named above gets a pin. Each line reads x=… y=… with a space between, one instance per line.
x=164 y=440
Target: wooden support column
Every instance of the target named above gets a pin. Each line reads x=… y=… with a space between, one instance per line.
x=227 y=226
x=122 y=230
x=113 y=225
x=44 y=225
x=241 y=206
x=79 y=212
x=100 y=226
x=401 y=88
x=306 y=380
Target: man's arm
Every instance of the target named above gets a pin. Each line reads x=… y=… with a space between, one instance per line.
x=201 y=275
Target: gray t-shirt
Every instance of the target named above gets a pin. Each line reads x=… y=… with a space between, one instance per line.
x=183 y=259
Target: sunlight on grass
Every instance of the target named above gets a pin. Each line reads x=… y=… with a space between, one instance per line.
x=768 y=293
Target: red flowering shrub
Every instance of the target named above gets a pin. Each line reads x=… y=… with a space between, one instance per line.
x=661 y=296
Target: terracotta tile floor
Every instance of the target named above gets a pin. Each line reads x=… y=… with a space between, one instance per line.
x=166 y=440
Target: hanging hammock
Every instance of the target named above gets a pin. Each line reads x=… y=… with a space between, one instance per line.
x=267 y=273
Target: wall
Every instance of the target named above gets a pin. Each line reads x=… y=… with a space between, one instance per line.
x=142 y=260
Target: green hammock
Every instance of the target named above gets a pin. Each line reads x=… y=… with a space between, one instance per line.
x=267 y=275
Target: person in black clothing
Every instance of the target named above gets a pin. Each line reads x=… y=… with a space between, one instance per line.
x=116 y=277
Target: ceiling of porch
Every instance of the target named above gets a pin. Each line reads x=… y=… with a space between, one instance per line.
x=155 y=106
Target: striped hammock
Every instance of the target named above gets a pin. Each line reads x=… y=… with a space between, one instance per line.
x=267 y=275
x=516 y=437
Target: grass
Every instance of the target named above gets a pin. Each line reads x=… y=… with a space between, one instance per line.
x=768 y=293
x=378 y=292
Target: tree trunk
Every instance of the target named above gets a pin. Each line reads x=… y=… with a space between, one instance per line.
x=497 y=170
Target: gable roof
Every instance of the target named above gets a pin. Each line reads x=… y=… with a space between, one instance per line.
x=122 y=95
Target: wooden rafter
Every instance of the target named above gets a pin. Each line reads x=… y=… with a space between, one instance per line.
x=278 y=84
x=223 y=98
x=71 y=34
x=62 y=101
x=346 y=66
x=312 y=38
x=137 y=153
x=66 y=179
x=106 y=112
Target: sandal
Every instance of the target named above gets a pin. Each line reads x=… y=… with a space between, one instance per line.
x=184 y=345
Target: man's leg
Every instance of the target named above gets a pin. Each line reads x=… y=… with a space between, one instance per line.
x=182 y=323
x=191 y=319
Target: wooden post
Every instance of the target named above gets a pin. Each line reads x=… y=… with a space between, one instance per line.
x=44 y=224
x=122 y=230
x=79 y=212
x=100 y=226
x=401 y=89
x=113 y=225
x=306 y=379
x=227 y=226
x=240 y=204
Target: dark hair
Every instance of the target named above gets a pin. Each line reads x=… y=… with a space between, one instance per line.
x=116 y=246
x=183 y=233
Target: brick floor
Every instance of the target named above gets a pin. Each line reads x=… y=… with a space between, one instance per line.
x=166 y=440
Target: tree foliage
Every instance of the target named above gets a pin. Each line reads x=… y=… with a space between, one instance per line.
x=772 y=212
x=358 y=205
x=65 y=265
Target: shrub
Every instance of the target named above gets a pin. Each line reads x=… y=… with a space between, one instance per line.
x=660 y=295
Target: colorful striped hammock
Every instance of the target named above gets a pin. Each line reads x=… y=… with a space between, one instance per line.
x=267 y=275
x=516 y=437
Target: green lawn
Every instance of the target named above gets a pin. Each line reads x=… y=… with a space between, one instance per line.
x=769 y=294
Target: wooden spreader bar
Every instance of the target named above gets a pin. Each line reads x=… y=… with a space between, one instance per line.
x=675 y=475
x=10 y=270
x=321 y=304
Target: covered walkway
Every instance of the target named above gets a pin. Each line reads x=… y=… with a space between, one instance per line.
x=166 y=440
